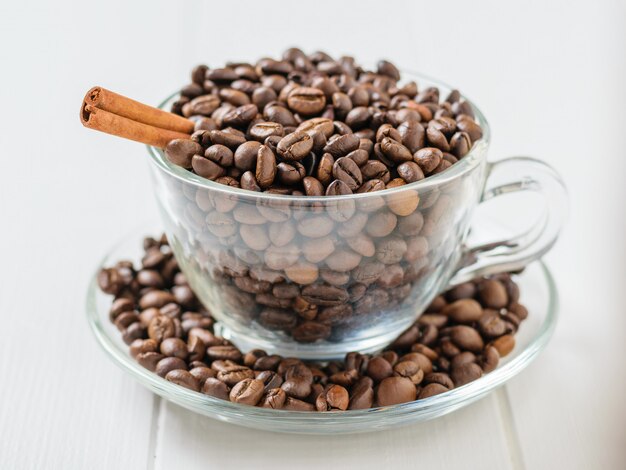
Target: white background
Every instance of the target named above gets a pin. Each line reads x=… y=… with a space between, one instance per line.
x=549 y=76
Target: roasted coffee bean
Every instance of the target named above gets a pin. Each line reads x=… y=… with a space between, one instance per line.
x=466 y=337
x=160 y=328
x=334 y=398
x=395 y=390
x=306 y=101
x=324 y=295
x=262 y=130
x=342 y=145
x=504 y=345
x=312 y=186
x=168 y=364
x=345 y=170
x=224 y=352
x=491 y=324
x=245 y=156
x=184 y=379
x=295 y=146
x=489 y=360
x=274 y=398
x=379 y=368
x=234 y=374
x=466 y=373
x=373 y=169
x=428 y=159
x=412 y=135
x=181 y=151
x=202 y=373
x=431 y=389
x=493 y=294
x=277 y=319
x=290 y=173
x=174 y=347
x=471 y=128
x=207 y=168
x=464 y=311
x=216 y=388
x=410 y=172
x=265 y=167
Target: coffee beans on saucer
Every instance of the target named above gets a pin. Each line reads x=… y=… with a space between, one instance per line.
x=316 y=125
x=461 y=336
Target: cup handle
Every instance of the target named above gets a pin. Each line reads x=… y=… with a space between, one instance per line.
x=507 y=176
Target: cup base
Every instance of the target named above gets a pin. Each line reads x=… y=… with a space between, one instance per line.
x=306 y=352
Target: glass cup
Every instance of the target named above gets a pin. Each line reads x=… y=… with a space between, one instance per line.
x=317 y=277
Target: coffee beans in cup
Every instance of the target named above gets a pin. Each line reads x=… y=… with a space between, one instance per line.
x=316 y=125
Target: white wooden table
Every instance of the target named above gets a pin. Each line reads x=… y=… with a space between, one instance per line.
x=551 y=81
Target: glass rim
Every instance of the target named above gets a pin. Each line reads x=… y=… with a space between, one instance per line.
x=470 y=161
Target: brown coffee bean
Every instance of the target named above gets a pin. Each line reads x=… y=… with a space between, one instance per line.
x=343 y=260
x=224 y=352
x=345 y=170
x=504 y=344
x=466 y=373
x=471 y=128
x=295 y=146
x=466 y=337
x=168 y=364
x=395 y=390
x=184 y=379
x=378 y=369
x=491 y=324
x=302 y=273
x=431 y=390
x=334 y=398
x=265 y=167
x=245 y=156
x=412 y=135
x=274 y=398
x=234 y=374
x=181 y=151
x=293 y=404
x=160 y=328
x=230 y=139
x=324 y=295
x=296 y=388
x=216 y=388
x=395 y=151
x=342 y=145
x=490 y=358
x=463 y=311
x=410 y=172
x=492 y=294
x=290 y=173
x=262 y=130
x=174 y=347
x=207 y=168
x=428 y=159
x=202 y=373
x=312 y=186
x=306 y=101
x=381 y=224
x=409 y=370
x=277 y=319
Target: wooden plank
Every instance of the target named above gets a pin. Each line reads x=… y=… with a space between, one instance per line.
x=470 y=438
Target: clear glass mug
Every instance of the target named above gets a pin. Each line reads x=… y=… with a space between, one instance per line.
x=317 y=277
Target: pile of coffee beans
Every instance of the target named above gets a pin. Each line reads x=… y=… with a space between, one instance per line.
x=314 y=125
x=461 y=336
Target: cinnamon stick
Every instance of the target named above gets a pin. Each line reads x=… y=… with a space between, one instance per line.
x=104 y=121
x=112 y=102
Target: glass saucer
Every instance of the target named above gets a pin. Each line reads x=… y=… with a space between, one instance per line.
x=538 y=294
